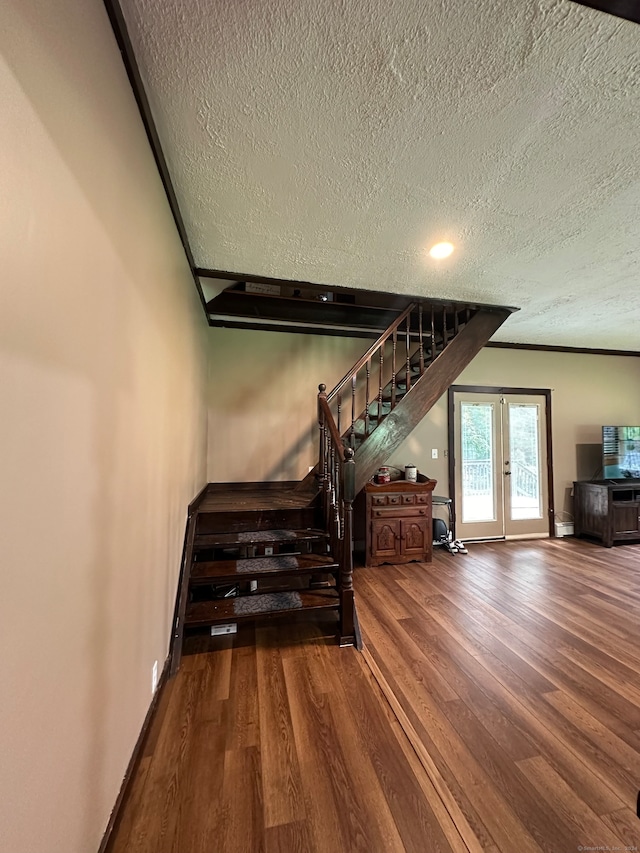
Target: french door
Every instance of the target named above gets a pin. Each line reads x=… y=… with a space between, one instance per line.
x=500 y=464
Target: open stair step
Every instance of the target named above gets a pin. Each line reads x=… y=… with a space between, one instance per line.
x=255 y=538
x=282 y=565
x=204 y=613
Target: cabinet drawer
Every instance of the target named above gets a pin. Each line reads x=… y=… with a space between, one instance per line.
x=423 y=499
x=404 y=512
x=395 y=500
x=379 y=500
x=408 y=499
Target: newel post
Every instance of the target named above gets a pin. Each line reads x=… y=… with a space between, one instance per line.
x=347 y=617
x=322 y=454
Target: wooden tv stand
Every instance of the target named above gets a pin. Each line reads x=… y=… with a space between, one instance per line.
x=608 y=510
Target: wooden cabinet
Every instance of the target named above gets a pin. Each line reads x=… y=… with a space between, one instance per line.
x=394 y=519
x=608 y=511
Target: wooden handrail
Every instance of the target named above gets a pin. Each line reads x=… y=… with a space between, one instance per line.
x=372 y=349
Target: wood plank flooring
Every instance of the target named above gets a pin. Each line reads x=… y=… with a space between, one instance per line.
x=518 y=667
x=496 y=707
x=280 y=741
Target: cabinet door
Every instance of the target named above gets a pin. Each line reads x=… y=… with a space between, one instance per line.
x=625 y=518
x=385 y=538
x=413 y=535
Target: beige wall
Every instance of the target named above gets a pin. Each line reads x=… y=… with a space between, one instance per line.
x=587 y=392
x=262 y=400
x=262 y=405
x=102 y=426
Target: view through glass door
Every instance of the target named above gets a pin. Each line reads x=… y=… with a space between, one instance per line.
x=500 y=465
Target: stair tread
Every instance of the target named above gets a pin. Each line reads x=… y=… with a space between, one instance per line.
x=202 y=613
x=263 y=567
x=257 y=537
x=238 y=497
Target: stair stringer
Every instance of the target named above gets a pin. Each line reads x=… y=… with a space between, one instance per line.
x=425 y=392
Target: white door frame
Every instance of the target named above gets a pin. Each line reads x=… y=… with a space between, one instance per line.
x=485 y=389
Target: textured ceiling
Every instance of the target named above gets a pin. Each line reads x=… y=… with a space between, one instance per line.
x=336 y=142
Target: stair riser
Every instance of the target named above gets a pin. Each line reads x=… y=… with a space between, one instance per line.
x=234 y=522
x=221 y=614
x=245 y=577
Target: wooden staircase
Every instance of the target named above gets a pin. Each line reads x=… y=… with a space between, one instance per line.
x=253 y=551
x=385 y=395
x=266 y=550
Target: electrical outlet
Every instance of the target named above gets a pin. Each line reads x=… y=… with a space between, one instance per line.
x=253 y=586
x=268 y=550
x=434 y=453
x=154 y=678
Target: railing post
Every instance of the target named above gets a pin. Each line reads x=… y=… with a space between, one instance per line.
x=322 y=392
x=323 y=463
x=347 y=616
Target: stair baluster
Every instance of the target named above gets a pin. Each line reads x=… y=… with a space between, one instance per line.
x=381 y=382
x=394 y=339
x=352 y=435
x=408 y=351
x=433 y=334
x=367 y=392
x=420 y=340
x=445 y=333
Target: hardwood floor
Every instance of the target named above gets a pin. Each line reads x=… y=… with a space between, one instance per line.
x=518 y=666
x=280 y=747
x=511 y=720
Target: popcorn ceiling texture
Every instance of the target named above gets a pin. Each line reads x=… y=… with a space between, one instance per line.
x=336 y=142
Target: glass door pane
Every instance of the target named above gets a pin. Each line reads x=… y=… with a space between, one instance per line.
x=477 y=462
x=500 y=464
x=523 y=465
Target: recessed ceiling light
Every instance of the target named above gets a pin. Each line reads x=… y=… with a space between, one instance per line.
x=441 y=250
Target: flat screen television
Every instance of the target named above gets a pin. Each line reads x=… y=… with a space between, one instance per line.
x=621 y=452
